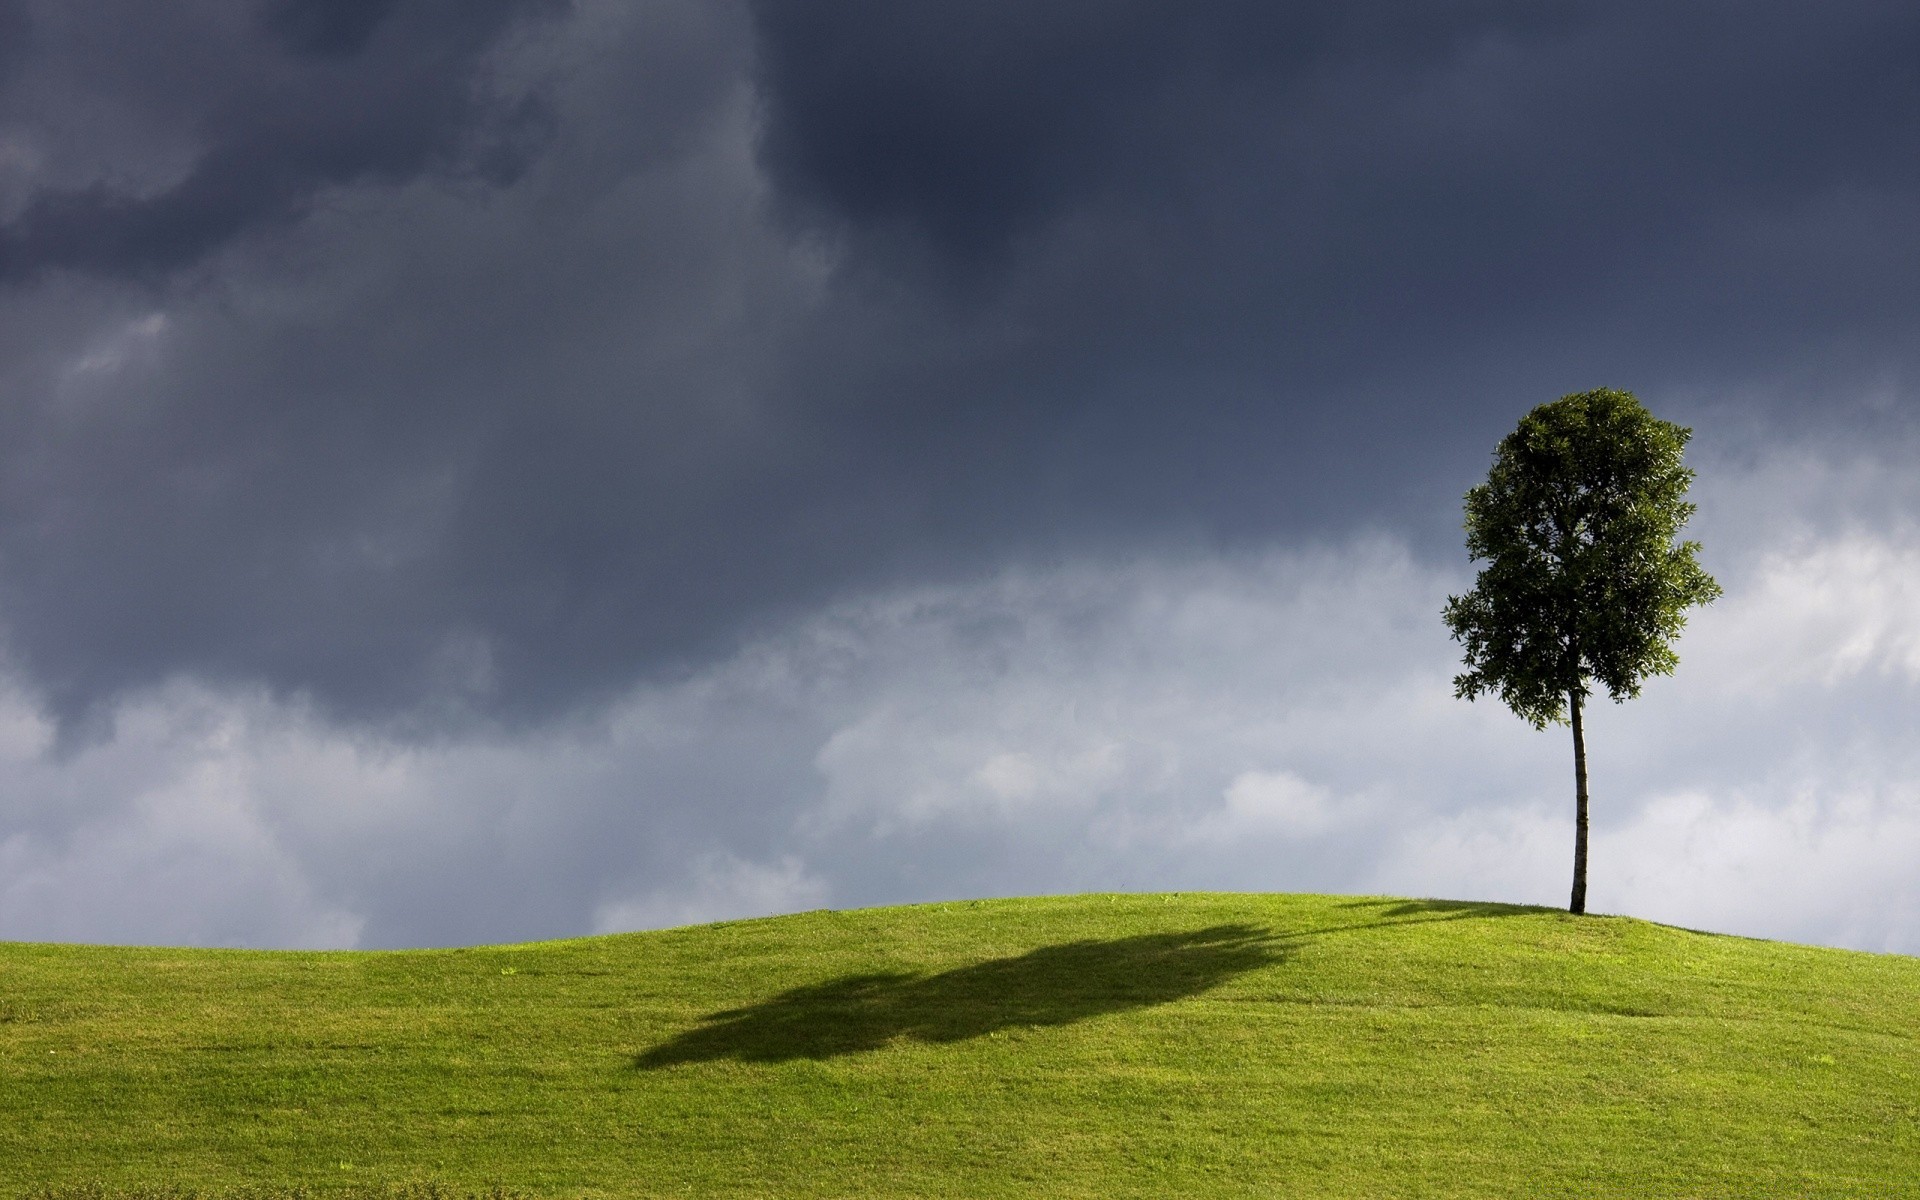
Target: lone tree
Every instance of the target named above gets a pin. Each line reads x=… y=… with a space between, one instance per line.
x=1583 y=580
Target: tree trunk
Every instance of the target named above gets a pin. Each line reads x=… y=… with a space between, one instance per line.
x=1579 y=902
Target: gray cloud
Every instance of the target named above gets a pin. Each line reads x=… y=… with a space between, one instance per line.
x=1278 y=719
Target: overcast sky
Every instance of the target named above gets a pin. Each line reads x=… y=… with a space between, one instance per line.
x=476 y=470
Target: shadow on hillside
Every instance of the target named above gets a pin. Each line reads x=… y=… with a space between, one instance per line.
x=1053 y=985
x=1444 y=908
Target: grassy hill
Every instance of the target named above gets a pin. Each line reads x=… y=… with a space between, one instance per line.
x=1094 y=1046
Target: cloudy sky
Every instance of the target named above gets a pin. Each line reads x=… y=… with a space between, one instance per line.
x=476 y=470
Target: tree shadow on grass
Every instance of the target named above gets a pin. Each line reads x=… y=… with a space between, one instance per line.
x=1053 y=985
x=1445 y=908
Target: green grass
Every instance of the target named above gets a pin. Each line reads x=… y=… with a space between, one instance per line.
x=1092 y=1046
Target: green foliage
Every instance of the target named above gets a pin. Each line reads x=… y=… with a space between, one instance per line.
x=1088 y=1046
x=1584 y=579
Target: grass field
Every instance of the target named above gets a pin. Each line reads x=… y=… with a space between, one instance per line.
x=1091 y=1046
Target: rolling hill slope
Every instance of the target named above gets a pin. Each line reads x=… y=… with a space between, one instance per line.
x=1096 y=1046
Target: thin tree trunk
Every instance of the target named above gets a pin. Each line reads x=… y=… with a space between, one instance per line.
x=1579 y=902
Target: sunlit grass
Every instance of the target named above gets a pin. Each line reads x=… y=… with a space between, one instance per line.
x=1090 y=1046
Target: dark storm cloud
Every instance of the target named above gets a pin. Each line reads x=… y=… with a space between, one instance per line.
x=1247 y=269
x=13 y=34
x=1336 y=201
x=366 y=91
x=325 y=28
x=1513 y=128
x=972 y=124
x=452 y=428
x=427 y=452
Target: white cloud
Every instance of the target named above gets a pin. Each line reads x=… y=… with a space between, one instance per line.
x=722 y=888
x=1276 y=802
x=1819 y=613
x=160 y=836
x=110 y=353
x=1812 y=863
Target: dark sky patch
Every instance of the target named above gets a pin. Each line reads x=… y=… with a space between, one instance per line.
x=971 y=125
x=325 y=28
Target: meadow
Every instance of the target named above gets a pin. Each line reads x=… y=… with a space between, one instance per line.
x=1085 y=1046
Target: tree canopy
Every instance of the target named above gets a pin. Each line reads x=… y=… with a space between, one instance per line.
x=1584 y=580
